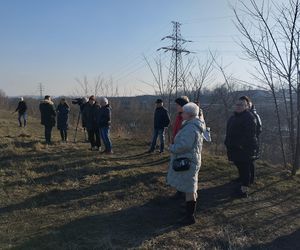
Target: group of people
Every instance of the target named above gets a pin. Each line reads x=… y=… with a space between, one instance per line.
x=96 y=119
x=189 y=129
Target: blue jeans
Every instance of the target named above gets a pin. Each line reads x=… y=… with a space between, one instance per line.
x=105 y=138
x=161 y=134
x=24 y=116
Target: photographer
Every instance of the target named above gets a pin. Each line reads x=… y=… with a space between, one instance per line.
x=91 y=116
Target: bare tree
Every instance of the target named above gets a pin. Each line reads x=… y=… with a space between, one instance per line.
x=271 y=39
x=203 y=75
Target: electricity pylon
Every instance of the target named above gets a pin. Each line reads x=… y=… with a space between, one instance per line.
x=176 y=74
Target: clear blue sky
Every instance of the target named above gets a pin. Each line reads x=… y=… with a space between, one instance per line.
x=55 y=41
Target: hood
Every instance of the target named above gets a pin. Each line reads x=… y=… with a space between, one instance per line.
x=196 y=123
x=47 y=102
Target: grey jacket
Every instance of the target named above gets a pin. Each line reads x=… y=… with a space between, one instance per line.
x=187 y=144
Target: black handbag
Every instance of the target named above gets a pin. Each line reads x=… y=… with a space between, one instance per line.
x=181 y=164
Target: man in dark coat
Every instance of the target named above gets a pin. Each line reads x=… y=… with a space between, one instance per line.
x=241 y=143
x=22 y=112
x=91 y=117
x=63 y=110
x=161 y=123
x=104 y=124
x=48 y=115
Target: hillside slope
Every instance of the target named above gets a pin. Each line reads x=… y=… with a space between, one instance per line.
x=66 y=197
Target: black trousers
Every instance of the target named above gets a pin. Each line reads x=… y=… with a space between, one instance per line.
x=48 y=132
x=94 y=137
x=246 y=172
x=63 y=134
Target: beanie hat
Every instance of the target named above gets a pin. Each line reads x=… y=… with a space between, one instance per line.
x=182 y=100
x=191 y=108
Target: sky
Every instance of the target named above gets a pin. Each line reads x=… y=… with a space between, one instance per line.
x=53 y=42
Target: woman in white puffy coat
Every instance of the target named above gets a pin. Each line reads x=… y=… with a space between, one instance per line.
x=188 y=144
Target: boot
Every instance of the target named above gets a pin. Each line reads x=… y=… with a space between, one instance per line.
x=189 y=218
x=177 y=196
x=243 y=192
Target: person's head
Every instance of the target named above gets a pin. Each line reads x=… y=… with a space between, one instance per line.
x=159 y=103
x=103 y=101
x=247 y=100
x=47 y=98
x=190 y=111
x=241 y=106
x=92 y=99
x=21 y=99
x=62 y=100
x=180 y=102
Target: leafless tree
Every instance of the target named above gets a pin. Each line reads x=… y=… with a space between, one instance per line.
x=271 y=39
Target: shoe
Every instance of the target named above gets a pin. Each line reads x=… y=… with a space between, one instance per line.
x=109 y=152
x=150 y=151
x=241 y=194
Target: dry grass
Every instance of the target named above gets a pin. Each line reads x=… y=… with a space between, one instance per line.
x=65 y=197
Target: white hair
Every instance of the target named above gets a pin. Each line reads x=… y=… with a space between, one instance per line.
x=191 y=108
x=104 y=100
x=21 y=98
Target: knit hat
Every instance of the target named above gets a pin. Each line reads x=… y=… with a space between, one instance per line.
x=182 y=100
x=159 y=101
x=191 y=108
x=104 y=100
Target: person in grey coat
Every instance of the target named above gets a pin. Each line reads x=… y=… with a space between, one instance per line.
x=187 y=144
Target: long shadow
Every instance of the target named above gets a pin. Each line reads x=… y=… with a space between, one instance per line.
x=56 y=196
x=287 y=242
x=127 y=228
x=213 y=197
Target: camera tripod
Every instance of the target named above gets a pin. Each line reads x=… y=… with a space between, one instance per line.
x=76 y=128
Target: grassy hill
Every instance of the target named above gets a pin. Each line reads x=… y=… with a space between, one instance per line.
x=66 y=197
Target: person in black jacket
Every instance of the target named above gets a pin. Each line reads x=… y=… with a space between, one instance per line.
x=258 y=131
x=22 y=112
x=91 y=114
x=63 y=110
x=48 y=115
x=241 y=143
x=104 y=124
x=161 y=123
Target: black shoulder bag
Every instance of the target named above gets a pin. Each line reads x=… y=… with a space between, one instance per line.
x=181 y=164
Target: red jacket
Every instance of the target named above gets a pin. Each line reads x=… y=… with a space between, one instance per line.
x=177 y=126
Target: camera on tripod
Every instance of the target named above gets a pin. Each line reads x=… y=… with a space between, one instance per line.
x=80 y=101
